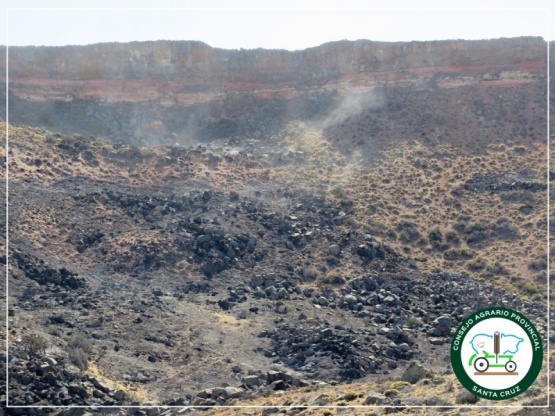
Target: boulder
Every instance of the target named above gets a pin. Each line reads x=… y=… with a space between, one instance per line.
x=272 y=376
x=414 y=373
x=320 y=400
x=367 y=252
x=404 y=347
x=50 y=361
x=436 y=341
x=350 y=300
x=466 y=397
x=374 y=398
x=205 y=238
x=325 y=333
x=299 y=382
x=257 y=280
x=119 y=395
x=231 y=392
x=74 y=388
x=217 y=392
x=99 y=385
x=224 y=304
x=335 y=250
x=251 y=244
x=205 y=394
x=323 y=301
x=251 y=381
x=388 y=332
x=278 y=385
x=370 y=283
x=98 y=394
x=442 y=325
x=388 y=300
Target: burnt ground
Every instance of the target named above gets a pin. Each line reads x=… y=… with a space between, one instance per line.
x=168 y=288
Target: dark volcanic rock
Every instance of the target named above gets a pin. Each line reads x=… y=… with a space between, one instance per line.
x=37 y=270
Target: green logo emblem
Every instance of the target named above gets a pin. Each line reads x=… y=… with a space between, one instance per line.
x=496 y=353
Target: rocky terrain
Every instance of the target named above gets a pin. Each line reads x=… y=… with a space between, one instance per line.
x=317 y=245
x=365 y=95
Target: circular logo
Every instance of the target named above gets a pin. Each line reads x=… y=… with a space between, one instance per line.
x=496 y=353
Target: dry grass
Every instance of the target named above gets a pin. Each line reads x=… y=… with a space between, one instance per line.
x=224 y=318
x=133 y=394
x=339 y=398
x=423 y=186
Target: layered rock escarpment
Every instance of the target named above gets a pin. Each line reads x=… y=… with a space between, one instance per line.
x=188 y=91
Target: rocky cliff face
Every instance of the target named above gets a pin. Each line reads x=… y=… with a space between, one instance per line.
x=180 y=91
x=198 y=62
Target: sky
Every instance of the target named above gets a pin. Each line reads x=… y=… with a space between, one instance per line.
x=272 y=24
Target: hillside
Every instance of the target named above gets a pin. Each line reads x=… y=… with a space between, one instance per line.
x=267 y=234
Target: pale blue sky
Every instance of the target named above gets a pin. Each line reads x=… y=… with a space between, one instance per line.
x=282 y=24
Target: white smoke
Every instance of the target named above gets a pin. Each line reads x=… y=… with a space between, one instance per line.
x=355 y=104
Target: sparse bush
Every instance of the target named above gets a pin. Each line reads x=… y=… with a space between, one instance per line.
x=526 y=209
x=539 y=263
x=457 y=254
x=333 y=279
x=452 y=236
x=398 y=385
x=527 y=288
x=35 y=344
x=408 y=231
x=405 y=237
x=466 y=397
x=518 y=197
x=476 y=265
x=79 y=341
x=391 y=234
x=462 y=223
x=310 y=273
x=338 y=191
x=541 y=277
x=79 y=351
x=435 y=237
x=55 y=331
x=495 y=269
x=476 y=232
x=443 y=247
x=79 y=358
x=504 y=229
x=391 y=392
x=350 y=396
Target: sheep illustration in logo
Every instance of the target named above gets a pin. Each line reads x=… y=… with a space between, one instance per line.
x=504 y=347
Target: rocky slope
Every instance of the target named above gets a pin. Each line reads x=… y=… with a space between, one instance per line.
x=207 y=276
x=341 y=211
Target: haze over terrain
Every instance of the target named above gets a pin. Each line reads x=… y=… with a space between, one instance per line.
x=199 y=226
